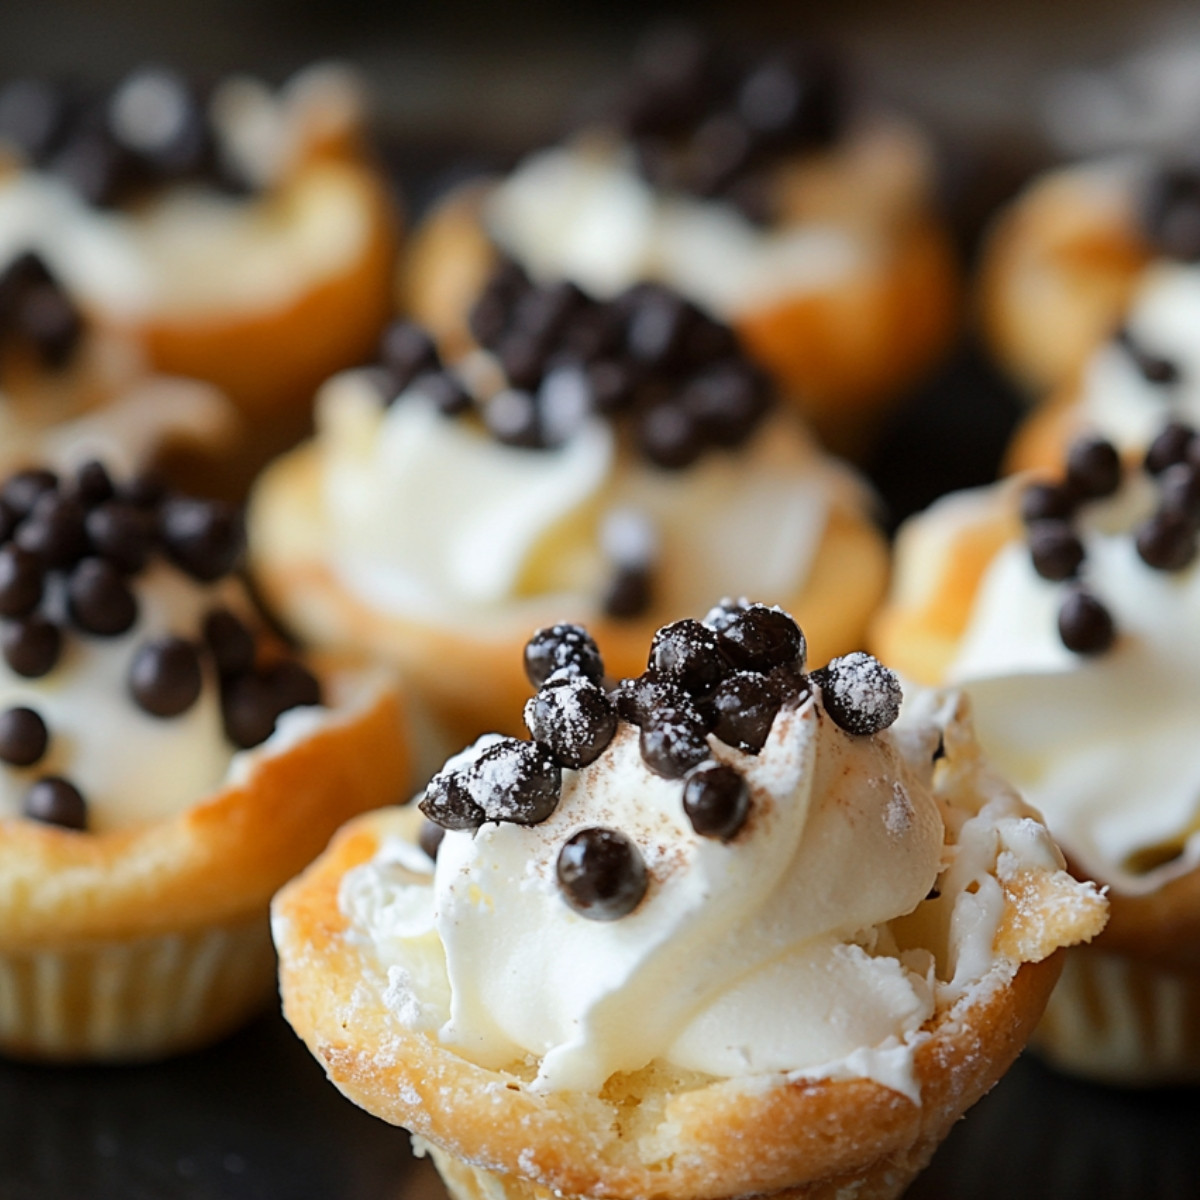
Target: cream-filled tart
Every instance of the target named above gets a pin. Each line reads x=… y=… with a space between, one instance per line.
x=633 y=469
x=165 y=765
x=732 y=929
x=761 y=189
x=1068 y=609
x=241 y=236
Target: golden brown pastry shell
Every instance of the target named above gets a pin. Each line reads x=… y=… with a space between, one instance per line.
x=801 y=1139
x=474 y=678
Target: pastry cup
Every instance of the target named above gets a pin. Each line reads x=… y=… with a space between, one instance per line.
x=1128 y=1010
x=145 y=941
x=658 y=1131
x=844 y=347
x=472 y=677
x=1058 y=270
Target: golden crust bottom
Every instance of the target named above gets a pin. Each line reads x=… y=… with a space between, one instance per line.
x=474 y=678
x=842 y=352
x=646 y=1134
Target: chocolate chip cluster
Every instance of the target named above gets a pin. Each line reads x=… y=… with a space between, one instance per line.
x=1167 y=540
x=71 y=550
x=726 y=676
x=36 y=313
x=705 y=120
x=150 y=130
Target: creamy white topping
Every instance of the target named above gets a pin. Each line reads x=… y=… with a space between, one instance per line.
x=508 y=534
x=782 y=951
x=130 y=766
x=1104 y=745
x=1115 y=397
x=583 y=212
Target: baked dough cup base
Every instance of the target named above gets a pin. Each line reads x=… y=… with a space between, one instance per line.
x=658 y=1132
x=473 y=677
x=842 y=353
x=139 y=942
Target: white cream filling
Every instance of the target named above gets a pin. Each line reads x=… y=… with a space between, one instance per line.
x=771 y=954
x=583 y=212
x=1105 y=746
x=428 y=515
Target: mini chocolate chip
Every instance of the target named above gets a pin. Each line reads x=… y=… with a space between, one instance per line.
x=758 y=638
x=522 y=358
x=636 y=699
x=429 y=838
x=248 y=710
x=1169 y=447
x=745 y=705
x=791 y=685
x=629 y=594
x=23 y=737
x=720 y=148
x=147 y=489
x=673 y=740
x=1167 y=541
x=612 y=386
x=1179 y=491
x=726 y=402
x=669 y=436
x=165 y=677
x=8 y=521
x=1093 y=468
x=33 y=116
x=1154 y=368
x=22 y=489
x=1084 y=624
x=859 y=693
x=515 y=781
x=716 y=800
x=32 y=647
x=408 y=351
x=1055 y=548
x=205 y=538
x=155 y=113
x=91 y=484
x=122 y=534
x=52 y=324
x=22 y=580
x=602 y=874
x=99 y=169
x=488 y=319
x=657 y=326
x=511 y=417
x=55 y=801
x=447 y=802
x=99 y=600
x=54 y=530
x=559 y=651
x=687 y=654
x=229 y=642
x=1047 y=501
x=450 y=397
x=542 y=312
x=291 y=685
x=572 y=719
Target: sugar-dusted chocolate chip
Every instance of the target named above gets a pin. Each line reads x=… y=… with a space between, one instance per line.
x=745 y=705
x=564 y=402
x=1055 y=548
x=572 y=719
x=99 y=599
x=1047 y=502
x=91 y=484
x=448 y=803
x=726 y=402
x=758 y=638
x=54 y=530
x=1093 y=468
x=716 y=800
x=146 y=489
x=629 y=594
x=48 y=319
x=673 y=740
x=522 y=359
x=122 y=534
x=22 y=489
x=637 y=698
x=165 y=677
x=669 y=436
x=720 y=148
x=602 y=874
x=1084 y=624
x=96 y=166
x=1179 y=491
x=658 y=324
x=24 y=737
x=8 y=521
x=794 y=96
x=860 y=694
x=446 y=392
x=205 y=538
x=541 y=313
x=1170 y=446
x=407 y=351
x=56 y=801
x=688 y=654
x=155 y=113
x=22 y=580
x=560 y=651
x=33 y=116
x=229 y=642
x=511 y=417
x=1167 y=541
x=515 y=781
x=32 y=646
